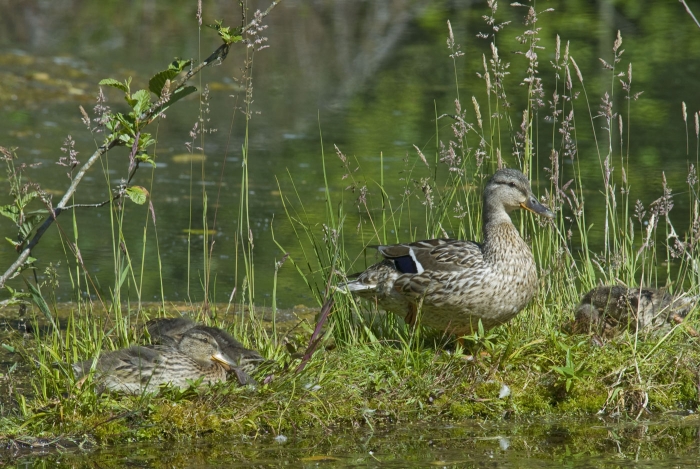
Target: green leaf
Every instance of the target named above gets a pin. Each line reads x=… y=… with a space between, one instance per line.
x=41 y=303
x=29 y=223
x=28 y=197
x=137 y=194
x=179 y=65
x=116 y=84
x=124 y=274
x=565 y=371
x=142 y=101
x=111 y=122
x=127 y=123
x=14 y=243
x=229 y=36
x=16 y=294
x=144 y=158
x=10 y=211
x=126 y=139
x=157 y=81
x=145 y=141
x=9 y=348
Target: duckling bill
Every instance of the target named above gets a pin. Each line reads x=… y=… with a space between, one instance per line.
x=456 y=284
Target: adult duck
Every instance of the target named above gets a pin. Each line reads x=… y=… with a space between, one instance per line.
x=453 y=284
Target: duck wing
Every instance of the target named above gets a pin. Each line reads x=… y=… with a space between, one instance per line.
x=445 y=255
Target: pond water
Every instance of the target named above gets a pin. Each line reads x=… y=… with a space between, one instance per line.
x=368 y=77
x=554 y=444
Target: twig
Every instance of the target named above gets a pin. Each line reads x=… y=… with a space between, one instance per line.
x=148 y=116
x=690 y=12
x=317 y=336
x=97 y=205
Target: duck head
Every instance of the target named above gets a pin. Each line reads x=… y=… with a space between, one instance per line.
x=509 y=190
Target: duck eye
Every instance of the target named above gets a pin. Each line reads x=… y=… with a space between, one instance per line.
x=511 y=184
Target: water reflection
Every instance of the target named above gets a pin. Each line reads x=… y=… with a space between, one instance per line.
x=367 y=76
x=488 y=444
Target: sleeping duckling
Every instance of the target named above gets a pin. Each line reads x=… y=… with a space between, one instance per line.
x=167 y=331
x=608 y=310
x=143 y=369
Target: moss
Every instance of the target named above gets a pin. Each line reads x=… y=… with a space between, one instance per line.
x=532 y=401
x=189 y=418
x=461 y=411
x=586 y=398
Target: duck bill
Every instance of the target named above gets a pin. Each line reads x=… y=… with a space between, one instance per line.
x=533 y=205
x=225 y=362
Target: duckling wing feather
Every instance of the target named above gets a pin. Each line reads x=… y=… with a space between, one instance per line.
x=134 y=358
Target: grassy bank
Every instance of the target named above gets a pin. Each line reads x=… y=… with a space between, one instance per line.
x=367 y=385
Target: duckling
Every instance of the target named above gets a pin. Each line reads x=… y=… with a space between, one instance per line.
x=143 y=369
x=608 y=310
x=456 y=284
x=167 y=331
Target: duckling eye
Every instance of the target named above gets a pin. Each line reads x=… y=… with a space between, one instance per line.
x=511 y=184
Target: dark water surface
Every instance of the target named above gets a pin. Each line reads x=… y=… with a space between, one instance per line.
x=369 y=75
x=488 y=445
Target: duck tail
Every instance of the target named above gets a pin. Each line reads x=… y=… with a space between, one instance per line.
x=353 y=286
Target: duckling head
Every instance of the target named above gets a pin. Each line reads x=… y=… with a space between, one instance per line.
x=204 y=348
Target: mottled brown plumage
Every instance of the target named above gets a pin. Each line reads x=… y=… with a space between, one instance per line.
x=143 y=369
x=455 y=283
x=167 y=331
x=609 y=310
